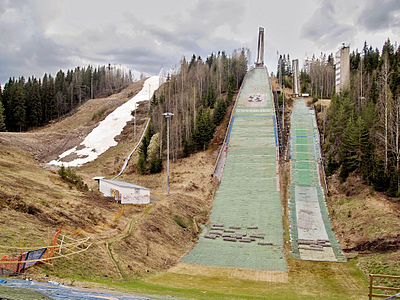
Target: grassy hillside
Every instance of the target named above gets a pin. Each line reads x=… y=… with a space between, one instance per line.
x=366 y=222
x=139 y=249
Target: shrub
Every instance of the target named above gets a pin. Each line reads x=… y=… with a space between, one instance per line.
x=155 y=165
x=141 y=166
x=181 y=222
x=69 y=175
x=98 y=115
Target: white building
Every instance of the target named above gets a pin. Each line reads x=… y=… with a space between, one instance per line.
x=123 y=192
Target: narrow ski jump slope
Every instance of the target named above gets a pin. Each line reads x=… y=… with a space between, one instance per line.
x=102 y=137
x=311 y=234
x=246 y=219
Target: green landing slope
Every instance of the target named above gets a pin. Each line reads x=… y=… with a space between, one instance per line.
x=249 y=194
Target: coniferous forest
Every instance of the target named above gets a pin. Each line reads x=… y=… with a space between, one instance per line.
x=32 y=102
x=361 y=132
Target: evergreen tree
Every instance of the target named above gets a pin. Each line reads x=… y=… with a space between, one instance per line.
x=204 y=129
x=219 y=112
x=51 y=99
x=2 y=121
x=230 y=94
x=146 y=140
x=7 y=98
x=35 y=112
x=43 y=99
x=141 y=166
x=373 y=92
x=155 y=165
x=18 y=104
x=211 y=97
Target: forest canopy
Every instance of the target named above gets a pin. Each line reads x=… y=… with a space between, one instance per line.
x=30 y=103
x=198 y=96
x=362 y=131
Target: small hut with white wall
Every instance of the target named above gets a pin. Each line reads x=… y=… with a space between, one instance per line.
x=123 y=192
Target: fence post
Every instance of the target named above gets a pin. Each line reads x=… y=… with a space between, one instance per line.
x=371 y=278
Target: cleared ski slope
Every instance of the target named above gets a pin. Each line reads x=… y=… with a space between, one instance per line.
x=102 y=137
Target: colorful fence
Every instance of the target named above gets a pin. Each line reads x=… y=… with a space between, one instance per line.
x=65 y=246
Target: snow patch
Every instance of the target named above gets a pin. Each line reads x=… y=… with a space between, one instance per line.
x=103 y=136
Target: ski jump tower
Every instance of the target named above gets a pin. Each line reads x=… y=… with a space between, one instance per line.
x=260 y=49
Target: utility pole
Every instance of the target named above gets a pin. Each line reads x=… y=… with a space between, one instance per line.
x=168 y=115
x=323 y=120
x=280 y=72
x=91 y=86
x=283 y=110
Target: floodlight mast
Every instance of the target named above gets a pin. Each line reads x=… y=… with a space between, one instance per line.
x=134 y=124
x=168 y=115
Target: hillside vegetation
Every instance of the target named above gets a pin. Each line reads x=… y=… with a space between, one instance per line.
x=31 y=103
x=48 y=142
x=198 y=96
x=362 y=133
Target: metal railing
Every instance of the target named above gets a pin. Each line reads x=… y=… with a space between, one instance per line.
x=133 y=151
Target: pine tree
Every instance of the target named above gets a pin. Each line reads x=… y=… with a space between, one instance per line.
x=2 y=121
x=35 y=113
x=141 y=166
x=51 y=99
x=219 y=112
x=18 y=104
x=204 y=130
x=7 y=98
x=43 y=99
x=348 y=150
x=211 y=97
x=230 y=93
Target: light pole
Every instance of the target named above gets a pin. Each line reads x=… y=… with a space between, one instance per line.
x=168 y=115
x=134 y=124
x=283 y=110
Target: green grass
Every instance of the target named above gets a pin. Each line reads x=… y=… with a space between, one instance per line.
x=308 y=280
x=383 y=263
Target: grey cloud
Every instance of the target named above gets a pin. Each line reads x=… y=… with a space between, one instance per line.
x=29 y=50
x=324 y=27
x=139 y=58
x=380 y=15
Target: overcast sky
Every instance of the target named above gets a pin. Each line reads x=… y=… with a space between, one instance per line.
x=46 y=35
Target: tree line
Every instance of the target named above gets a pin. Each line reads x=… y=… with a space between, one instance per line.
x=26 y=104
x=318 y=76
x=363 y=134
x=198 y=96
x=284 y=71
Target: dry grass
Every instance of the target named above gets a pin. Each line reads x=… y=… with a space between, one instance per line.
x=48 y=142
x=238 y=273
x=147 y=241
x=35 y=201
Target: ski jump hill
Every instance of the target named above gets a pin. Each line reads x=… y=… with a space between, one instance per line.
x=246 y=229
